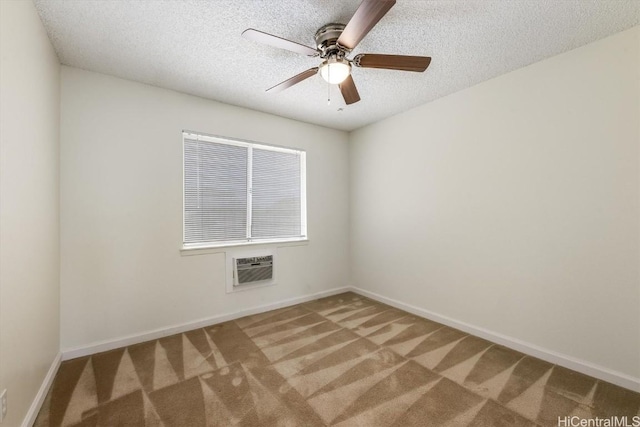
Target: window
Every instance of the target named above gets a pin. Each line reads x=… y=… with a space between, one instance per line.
x=237 y=192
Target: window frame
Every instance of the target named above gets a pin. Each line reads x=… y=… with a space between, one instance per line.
x=186 y=134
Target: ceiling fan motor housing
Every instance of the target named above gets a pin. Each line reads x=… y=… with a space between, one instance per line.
x=327 y=41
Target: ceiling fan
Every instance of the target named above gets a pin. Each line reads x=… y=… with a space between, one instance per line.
x=334 y=42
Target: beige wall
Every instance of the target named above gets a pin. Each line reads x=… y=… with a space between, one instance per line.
x=121 y=210
x=29 y=244
x=514 y=205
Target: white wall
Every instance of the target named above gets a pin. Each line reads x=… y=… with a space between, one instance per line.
x=121 y=210
x=29 y=244
x=514 y=205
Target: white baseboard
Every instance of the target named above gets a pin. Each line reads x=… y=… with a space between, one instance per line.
x=101 y=346
x=32 y=413
x=569 y=362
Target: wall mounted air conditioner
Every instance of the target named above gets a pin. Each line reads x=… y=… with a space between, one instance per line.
x=252 y=270
x=248 y=269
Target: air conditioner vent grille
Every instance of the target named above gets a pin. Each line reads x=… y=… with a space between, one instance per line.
x=253 y=269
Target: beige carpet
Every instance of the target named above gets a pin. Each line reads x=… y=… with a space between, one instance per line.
x=342 y=360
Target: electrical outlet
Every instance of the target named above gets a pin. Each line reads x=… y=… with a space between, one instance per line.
x=3 y=398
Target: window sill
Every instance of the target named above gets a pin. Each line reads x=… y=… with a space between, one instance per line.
x=202 y=250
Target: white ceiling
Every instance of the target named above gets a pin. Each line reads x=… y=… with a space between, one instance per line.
x=195 y=47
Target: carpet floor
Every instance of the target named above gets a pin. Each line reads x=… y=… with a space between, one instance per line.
x=343 y=360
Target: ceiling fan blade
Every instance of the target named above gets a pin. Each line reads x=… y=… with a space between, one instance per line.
x=366 y=17
x=293 y=80
x=275 y=41
x=392 y=62
x=349 y=91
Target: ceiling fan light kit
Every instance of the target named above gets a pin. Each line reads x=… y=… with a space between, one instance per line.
x=335 y=70
x=334 y=43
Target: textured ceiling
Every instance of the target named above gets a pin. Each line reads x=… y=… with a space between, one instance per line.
x=195 y=47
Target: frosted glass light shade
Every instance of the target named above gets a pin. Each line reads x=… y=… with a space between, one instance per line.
x=335 y=71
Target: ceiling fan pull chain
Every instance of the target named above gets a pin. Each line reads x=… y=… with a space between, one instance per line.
x=329 y=87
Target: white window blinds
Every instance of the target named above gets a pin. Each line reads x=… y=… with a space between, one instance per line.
x=240 y=192
x=275 y=207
